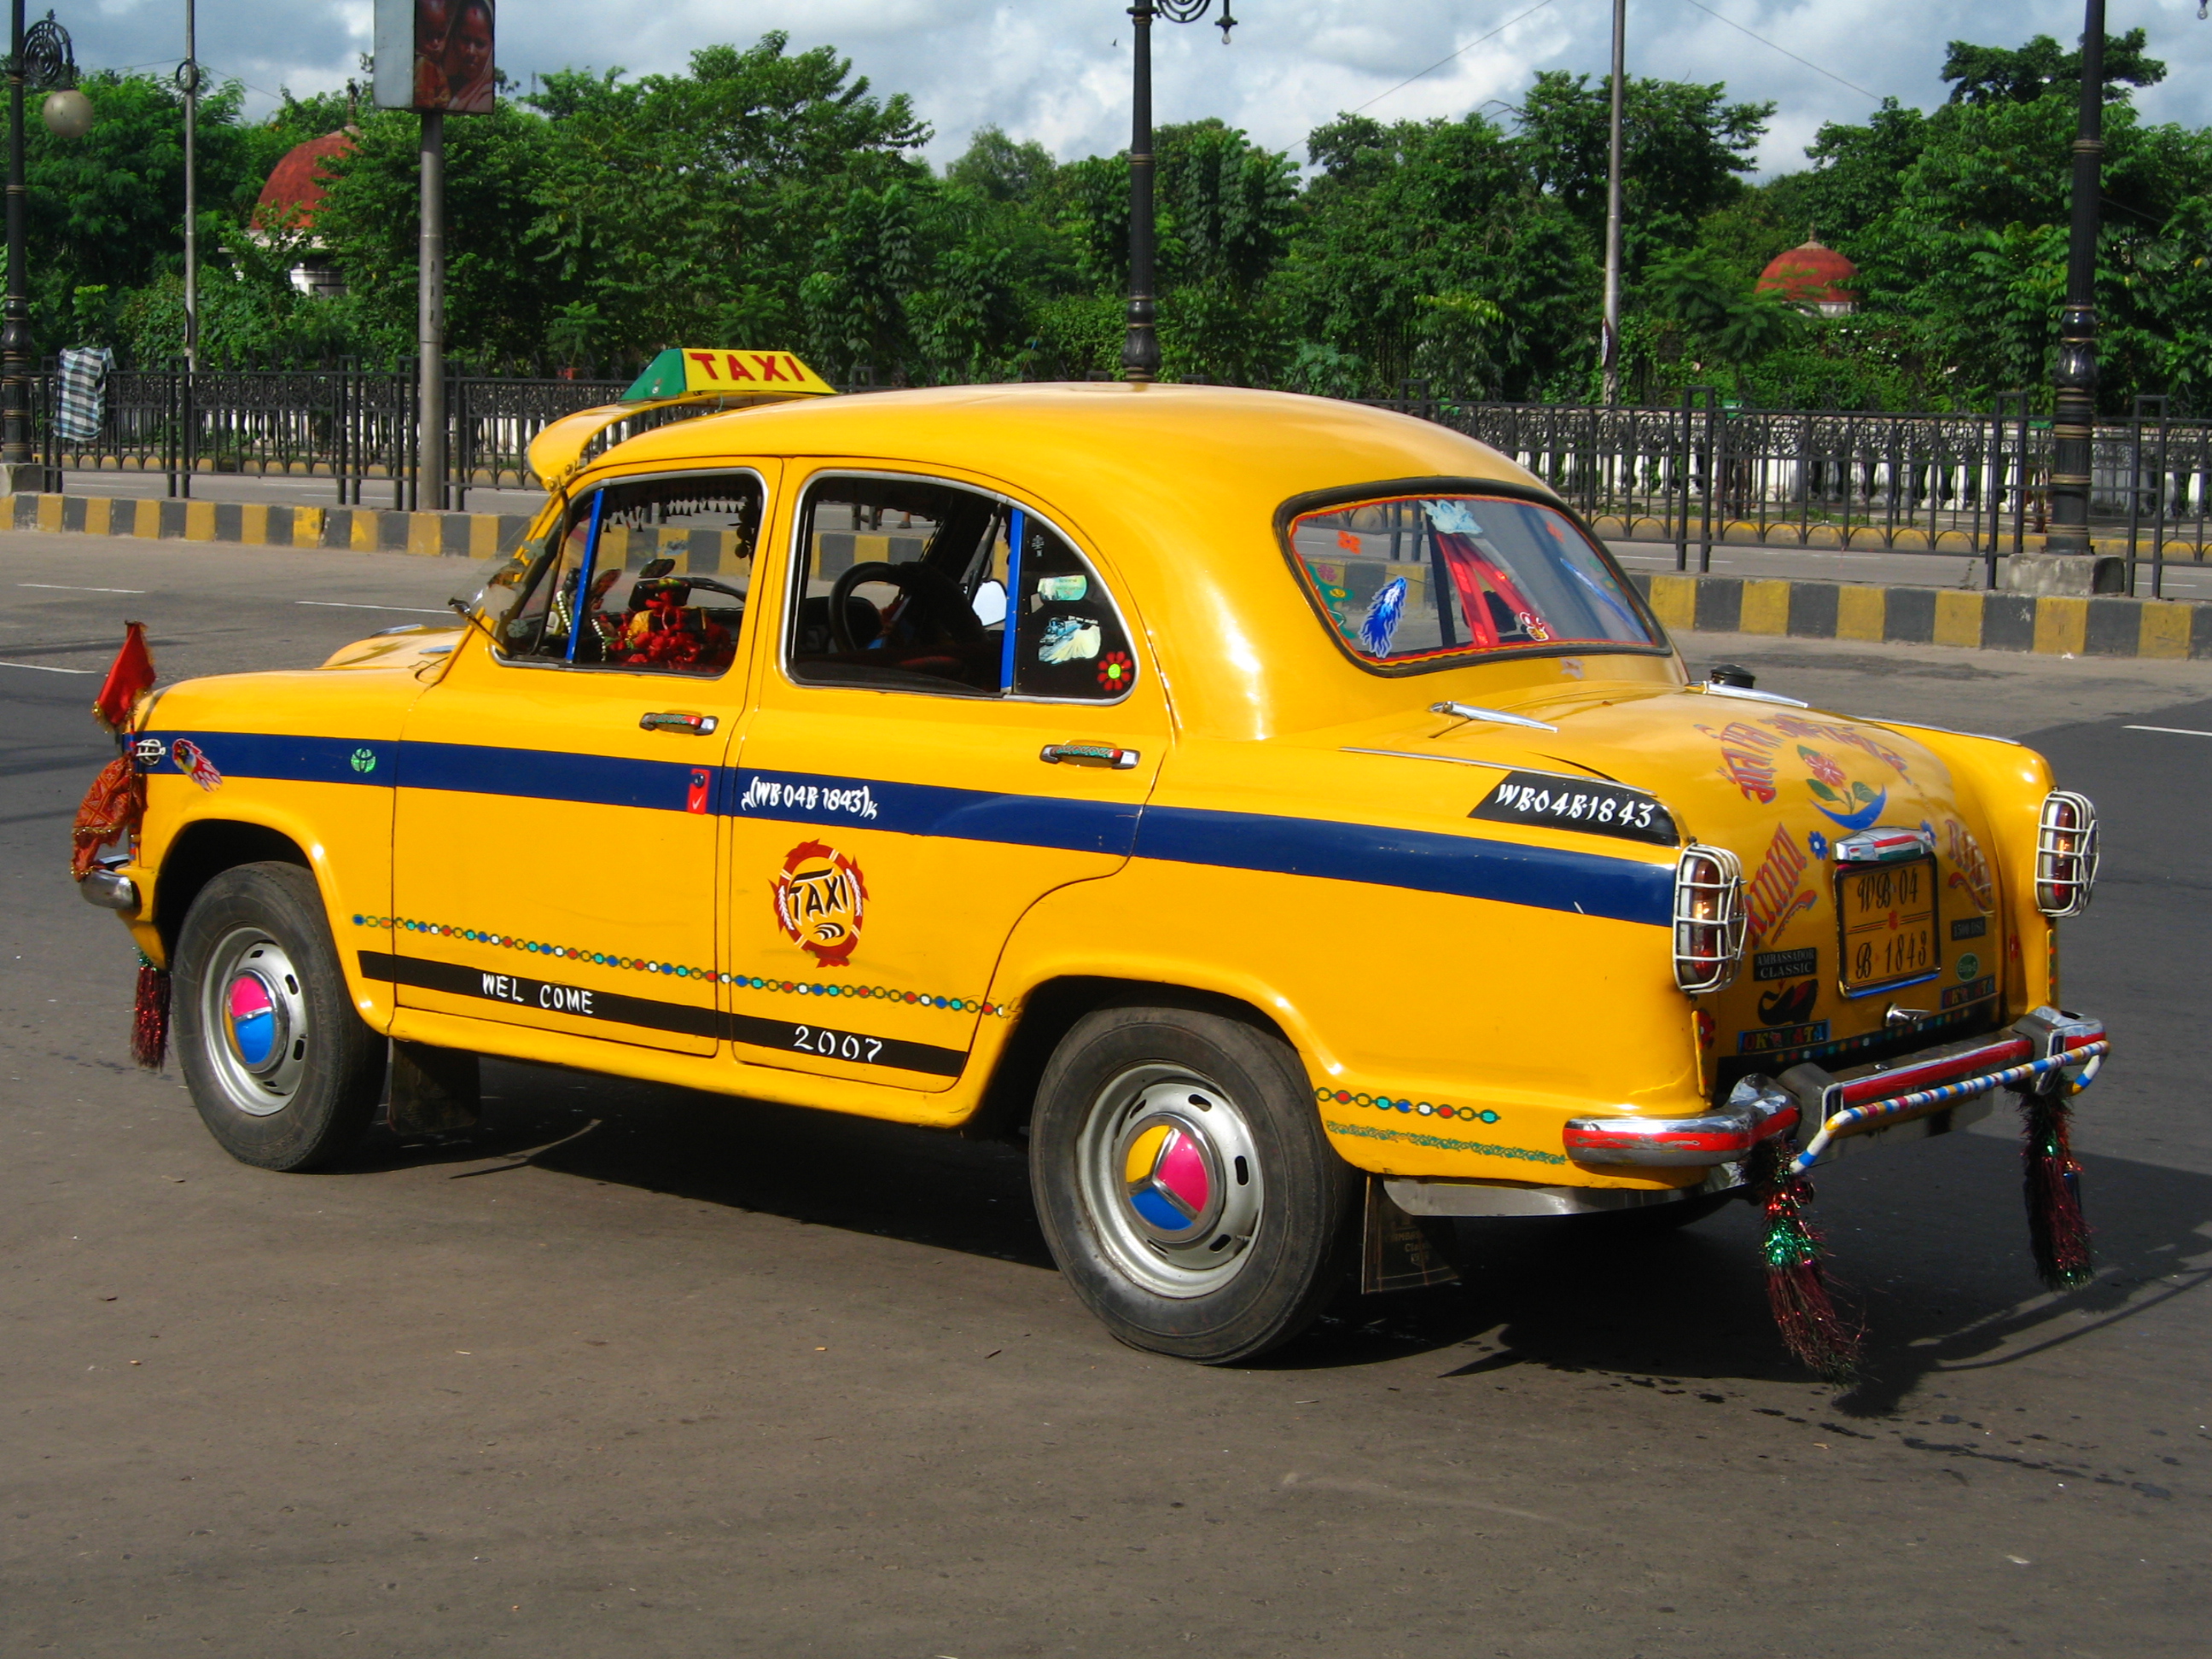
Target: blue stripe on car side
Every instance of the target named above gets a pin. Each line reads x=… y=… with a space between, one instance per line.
x=925 y=809
x=544 y=774
x=1553 y=878
x=1547 y=877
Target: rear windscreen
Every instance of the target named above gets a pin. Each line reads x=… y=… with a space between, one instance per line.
x=1406 y=580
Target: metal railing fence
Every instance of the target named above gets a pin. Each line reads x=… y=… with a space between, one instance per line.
x=1700 y=474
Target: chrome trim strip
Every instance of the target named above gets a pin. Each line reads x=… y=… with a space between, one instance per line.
x=1470 y=711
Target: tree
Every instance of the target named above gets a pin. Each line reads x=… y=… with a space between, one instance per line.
x=2020 y=74
x=1001 y=170
x=1684 y=152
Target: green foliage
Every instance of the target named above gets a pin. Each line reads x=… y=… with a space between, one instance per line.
x=2020 y=74
x=769 y=198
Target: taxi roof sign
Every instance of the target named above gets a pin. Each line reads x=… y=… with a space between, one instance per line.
x=684 y=371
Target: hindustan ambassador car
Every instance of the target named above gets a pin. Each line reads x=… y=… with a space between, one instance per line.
x=1283 y=813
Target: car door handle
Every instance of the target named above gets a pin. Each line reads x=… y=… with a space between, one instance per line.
x=1088 y=754
x=698 y=725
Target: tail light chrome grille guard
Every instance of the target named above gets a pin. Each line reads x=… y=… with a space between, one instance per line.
x=1709 y=918
x=2066 y=854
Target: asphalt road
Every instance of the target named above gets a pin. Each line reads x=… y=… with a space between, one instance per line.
x=644 y=1373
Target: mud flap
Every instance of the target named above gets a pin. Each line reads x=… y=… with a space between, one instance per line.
x=434 y=1091
x=1401 y=1251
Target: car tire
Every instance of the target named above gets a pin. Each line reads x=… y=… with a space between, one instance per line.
x=1184 y=1184
x=284 y=1073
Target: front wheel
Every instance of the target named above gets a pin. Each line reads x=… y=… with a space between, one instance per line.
x=1184 y=1184
x=284 y=1073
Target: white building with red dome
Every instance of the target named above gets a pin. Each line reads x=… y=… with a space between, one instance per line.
x=292 y=198
x=1814 y=277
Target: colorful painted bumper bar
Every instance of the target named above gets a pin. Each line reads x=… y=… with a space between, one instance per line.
x=1760 y=1109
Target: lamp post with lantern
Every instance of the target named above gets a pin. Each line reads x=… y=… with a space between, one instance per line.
x=39 y=58
x=1140 y=350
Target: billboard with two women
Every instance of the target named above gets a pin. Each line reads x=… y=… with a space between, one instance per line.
x=434 y=55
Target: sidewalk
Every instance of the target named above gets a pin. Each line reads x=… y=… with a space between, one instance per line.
x=293 y=490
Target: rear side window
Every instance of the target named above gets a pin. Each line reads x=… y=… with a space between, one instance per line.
x=913 y=584
x=1413 y=579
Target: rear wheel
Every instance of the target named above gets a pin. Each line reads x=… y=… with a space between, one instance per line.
x=285 y=1074
x=1184 y=1184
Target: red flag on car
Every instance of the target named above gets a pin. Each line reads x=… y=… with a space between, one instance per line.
x=129 y=677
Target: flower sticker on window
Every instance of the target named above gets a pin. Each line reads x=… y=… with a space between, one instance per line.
x=1452 y=518
x=1116 y=672
x=1069 y=639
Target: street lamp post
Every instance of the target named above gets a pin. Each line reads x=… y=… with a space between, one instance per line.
x=1609 y=329
x=1140 y=350
x=40 y=57
x=2073 y=378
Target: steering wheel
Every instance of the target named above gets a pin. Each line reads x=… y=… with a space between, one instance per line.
x=926 y=591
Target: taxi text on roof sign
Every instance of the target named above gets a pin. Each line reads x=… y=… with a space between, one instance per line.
x=683 y=371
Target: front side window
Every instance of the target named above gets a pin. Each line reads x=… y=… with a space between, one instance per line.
x=649 y=575
x=913 y=585
x=1407 y=581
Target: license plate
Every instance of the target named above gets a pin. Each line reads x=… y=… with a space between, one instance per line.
x=1888 y=913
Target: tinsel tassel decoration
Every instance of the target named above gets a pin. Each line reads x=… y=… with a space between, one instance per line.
x=149 y=1017
x=2056 y=1231
x=1796 y=1290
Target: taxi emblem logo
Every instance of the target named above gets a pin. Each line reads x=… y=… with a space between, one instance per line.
x=364 y=760
x=820 y=899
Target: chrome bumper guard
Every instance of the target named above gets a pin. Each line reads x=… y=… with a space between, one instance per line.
x=2047 y=1049
x=110 y=890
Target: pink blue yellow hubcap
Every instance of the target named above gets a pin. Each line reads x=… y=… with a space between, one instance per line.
x=253 y=1027
x=1170 y=1177
x=252 y=1022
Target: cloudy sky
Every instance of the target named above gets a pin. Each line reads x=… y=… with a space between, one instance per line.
x=1057 y=71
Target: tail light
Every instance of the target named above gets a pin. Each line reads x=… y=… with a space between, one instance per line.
x=2065 y=853
x=1708 y=918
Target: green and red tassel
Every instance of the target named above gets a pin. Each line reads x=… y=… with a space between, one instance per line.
x=2056 y=1233
x=150 y=1016
x=1805 y=1313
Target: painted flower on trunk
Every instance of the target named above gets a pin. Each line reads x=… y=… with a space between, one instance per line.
x=1822 y=767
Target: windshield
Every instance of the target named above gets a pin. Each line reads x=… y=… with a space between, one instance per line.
x=1415 y=579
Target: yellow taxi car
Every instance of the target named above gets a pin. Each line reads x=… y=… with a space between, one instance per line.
x=1282 y=811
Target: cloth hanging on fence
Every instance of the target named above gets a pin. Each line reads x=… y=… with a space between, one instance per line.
x=84 y=393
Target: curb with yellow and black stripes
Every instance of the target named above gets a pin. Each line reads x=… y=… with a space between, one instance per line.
x=1811 y=610
x=262 y=524
x=2049 y=625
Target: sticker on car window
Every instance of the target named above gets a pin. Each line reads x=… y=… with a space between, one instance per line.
x=1062 y=590
x=1452 y=518
x=1380 y=625
x=1069 y=639
x=1597 y=809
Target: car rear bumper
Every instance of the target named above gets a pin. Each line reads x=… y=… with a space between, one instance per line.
x=1822 y=1114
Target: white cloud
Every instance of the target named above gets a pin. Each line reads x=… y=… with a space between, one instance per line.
x=1057 y=70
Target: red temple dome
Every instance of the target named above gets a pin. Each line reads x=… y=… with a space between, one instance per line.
x=294 y=193
x=1814 y=276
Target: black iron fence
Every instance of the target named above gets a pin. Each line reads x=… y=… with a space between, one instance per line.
x=358 y=428
x=1703 y=474
x=1707 y=473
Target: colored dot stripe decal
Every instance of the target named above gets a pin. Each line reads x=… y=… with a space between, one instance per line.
x=1420 y=1107
x=679 y=970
